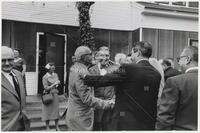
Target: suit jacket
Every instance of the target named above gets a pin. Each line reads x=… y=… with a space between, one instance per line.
x=170 y=72
x=137 y=88
x=178 y=107
x=12 y=107
x=81 y=101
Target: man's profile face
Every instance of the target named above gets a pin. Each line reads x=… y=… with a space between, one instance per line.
x=88 y=58
x=134 y=55
x=184 y=59
x=7 y=61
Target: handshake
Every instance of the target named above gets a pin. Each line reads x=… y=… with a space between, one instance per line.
x=110 y=104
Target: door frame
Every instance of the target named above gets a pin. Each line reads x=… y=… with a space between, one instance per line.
x=37 y=57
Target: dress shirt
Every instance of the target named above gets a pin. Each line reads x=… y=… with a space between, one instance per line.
x=142 y=60
x=9 y=77
x=191 y=68
x=102 y=71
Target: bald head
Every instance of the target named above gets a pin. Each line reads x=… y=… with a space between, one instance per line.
x=188 y=58
x=192 y=51
x=6 y=53
x=7 y=59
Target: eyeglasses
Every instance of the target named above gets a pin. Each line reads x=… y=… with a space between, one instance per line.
x=4 y=60
x=135 y=50
x=88 y=54
x=179 y=58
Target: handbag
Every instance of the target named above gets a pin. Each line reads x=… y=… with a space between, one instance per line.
x=47 y=98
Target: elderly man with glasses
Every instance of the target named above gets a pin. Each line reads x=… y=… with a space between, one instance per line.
x=178 y=106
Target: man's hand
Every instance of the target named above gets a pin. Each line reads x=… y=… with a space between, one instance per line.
x=110 y=104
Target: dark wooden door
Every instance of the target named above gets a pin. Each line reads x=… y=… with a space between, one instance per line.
x=53 y=51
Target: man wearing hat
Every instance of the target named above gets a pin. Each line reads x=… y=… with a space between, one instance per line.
x=81 y=102
x=12 y=94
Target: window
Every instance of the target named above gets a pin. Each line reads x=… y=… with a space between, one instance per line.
x=193 y=4
x=162 y=2
x=193 y=42
x=179 y=3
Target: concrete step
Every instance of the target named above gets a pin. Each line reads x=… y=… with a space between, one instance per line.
x=38 y=110
x=39 y=126
x=39 y=103
x=38 y=117
x=34 y=112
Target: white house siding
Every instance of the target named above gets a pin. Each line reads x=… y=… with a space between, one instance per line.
x=111 y=15
x=136 y=10
x=105 y=15
x=169 y=20
x=63 y=13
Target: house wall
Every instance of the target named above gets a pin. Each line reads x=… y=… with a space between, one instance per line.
x=169 y=20
x=104 y=15
x=23 y=35
x=63 y=13
x=168 y=43
x=112 y=15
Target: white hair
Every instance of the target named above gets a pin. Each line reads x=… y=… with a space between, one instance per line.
x=120 y=58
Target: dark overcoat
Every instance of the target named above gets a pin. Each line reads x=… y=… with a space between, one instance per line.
x=137 y=88
x=179 y=103
x=170 y=72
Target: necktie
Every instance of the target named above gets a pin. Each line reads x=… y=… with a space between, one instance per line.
x=16 y=85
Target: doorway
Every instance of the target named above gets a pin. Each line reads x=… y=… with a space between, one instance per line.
x=51 y=48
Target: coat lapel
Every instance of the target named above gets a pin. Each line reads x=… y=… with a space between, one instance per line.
x=193 y=71
x=7 y=85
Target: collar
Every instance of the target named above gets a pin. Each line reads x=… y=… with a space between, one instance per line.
x=5 y=73
x=48 y=74
x=142 y=60
x=191 y=68
x=99 y=65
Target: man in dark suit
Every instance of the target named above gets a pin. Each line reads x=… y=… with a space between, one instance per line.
x=137 y=86
x=13 y=99
x=169 y=71
x=178 y=106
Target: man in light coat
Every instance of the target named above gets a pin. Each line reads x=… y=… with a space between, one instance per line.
x=12 y=94
x=81 y=102
x=178 y=105
x=102 y=117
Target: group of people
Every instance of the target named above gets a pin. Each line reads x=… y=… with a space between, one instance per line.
x=134 y=92
x=13 y=93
